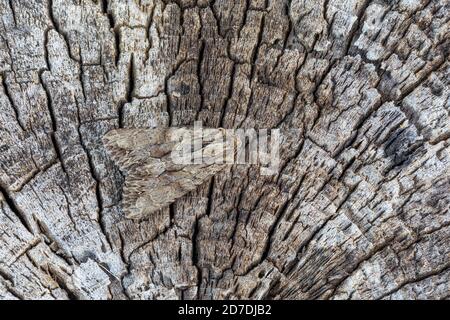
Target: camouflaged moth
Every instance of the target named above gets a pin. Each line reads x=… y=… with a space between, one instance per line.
x=164 y=164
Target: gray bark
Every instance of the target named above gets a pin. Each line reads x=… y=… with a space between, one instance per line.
x=360 y=205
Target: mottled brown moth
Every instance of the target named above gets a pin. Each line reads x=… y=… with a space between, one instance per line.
x=164 y=164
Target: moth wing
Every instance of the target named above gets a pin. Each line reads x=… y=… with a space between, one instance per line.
x=131 y=147
x=153 y=180
x=144 y=194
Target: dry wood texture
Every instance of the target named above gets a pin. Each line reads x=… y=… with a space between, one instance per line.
x=358 y=209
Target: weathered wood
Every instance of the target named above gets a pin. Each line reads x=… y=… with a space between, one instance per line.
x=358 y=209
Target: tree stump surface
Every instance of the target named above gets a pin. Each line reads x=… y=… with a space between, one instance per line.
x=359 y=208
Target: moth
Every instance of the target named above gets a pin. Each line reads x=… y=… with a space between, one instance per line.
x=164 y=164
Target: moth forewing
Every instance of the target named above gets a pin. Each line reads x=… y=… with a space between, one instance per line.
x=164 y=164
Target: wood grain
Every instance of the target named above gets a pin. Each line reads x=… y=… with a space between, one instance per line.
x=358 y=210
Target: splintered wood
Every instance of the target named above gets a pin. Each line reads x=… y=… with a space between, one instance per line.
x=357 y=207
